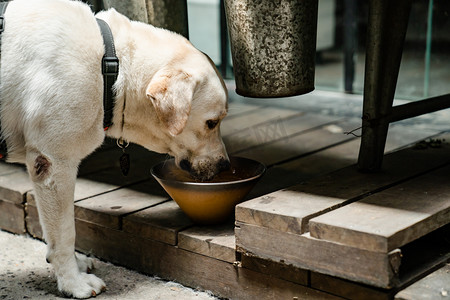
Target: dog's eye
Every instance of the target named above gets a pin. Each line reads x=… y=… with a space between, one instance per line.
x=212 y=124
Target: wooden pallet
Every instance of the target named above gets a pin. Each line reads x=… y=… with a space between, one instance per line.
x=14 y=184
x=352 y=225
x=132 y=222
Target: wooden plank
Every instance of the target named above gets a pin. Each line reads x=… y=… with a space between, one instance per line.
x=161 y=222
x=32 y=224
x=101 y=158
x=348 y=289
x=101 y=182
x=306 y=252
x=102 y=177
x=87 y=188
x=291 y=209
x=14 y=183
x=107 y=209
x=12 y=217
x=321 y=138
x=273 y=130
x=281 y=176
x=299 y=145
x=108 y=157
x=346 y=154
x=401 y=136
x=107 y=172
x=254 y=117
x=84 y=188
x=213 y=241
x=114 y=176
x=152 y=257
x=236 y=108
x=391 y=218
x=276 y=269
x=395 y=269
x=434 y=286
x=13 y=186
x=110 y=179
x=7 y=168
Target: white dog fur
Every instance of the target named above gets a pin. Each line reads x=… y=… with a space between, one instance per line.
x=52 y=108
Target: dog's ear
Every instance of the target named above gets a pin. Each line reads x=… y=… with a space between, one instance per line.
x=171 y=93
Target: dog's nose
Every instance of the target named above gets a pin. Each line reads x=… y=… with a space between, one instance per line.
x=185 y=165
x=224 y=164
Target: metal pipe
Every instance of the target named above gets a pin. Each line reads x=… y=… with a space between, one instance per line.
x=350 y=43
x=388 y=21
x=428 y=49
x=417 y=108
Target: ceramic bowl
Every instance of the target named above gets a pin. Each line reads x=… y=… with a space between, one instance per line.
x=210 y=202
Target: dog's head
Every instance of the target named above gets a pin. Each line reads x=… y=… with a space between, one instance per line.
x=176 y=98
x=190 y=101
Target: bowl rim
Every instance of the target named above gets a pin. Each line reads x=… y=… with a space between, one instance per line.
x=152 y=171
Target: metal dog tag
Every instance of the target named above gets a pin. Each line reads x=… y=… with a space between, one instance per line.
x=125 y=158
x=125 y=163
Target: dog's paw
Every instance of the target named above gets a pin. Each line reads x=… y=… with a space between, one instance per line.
x=85 y=264
x=81 y=286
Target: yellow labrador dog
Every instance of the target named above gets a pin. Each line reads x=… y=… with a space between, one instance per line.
x=52 y=108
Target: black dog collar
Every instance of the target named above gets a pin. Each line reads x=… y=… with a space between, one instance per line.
x=110 y=71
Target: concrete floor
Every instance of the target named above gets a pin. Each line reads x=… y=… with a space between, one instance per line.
x=24 y=274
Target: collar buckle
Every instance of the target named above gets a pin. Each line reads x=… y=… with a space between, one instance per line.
x=110 y=65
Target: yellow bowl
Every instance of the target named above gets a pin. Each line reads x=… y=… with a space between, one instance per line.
x=210 y=202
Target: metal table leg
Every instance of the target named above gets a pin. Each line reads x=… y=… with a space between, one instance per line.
x=350 y=43
x=388 y=21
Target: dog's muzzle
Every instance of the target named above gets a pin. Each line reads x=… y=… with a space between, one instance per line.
x=205 y=171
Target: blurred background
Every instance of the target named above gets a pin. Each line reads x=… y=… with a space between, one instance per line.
x=342 y=25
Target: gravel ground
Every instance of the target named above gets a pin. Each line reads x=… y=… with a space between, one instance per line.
x=24 y=274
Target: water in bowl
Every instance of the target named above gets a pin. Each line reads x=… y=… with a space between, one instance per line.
x=232 y=174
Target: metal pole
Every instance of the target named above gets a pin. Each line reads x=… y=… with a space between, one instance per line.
x=428 y=49
x=417 y=108
x=388 y=21
x=350 y=43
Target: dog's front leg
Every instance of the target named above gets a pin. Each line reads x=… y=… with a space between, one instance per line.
x=54 y=181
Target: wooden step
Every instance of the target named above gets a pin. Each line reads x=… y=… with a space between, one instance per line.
x=290 y=209
x=391 y=218
x=299 y=145
x=131 y=221
x=191 y=269
x=317 y=222
x=254 y=117
x=213 y=241
x=162 y=222
x=378 y=269
x=272 y=130
x=107 y=209
x=14 y=183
